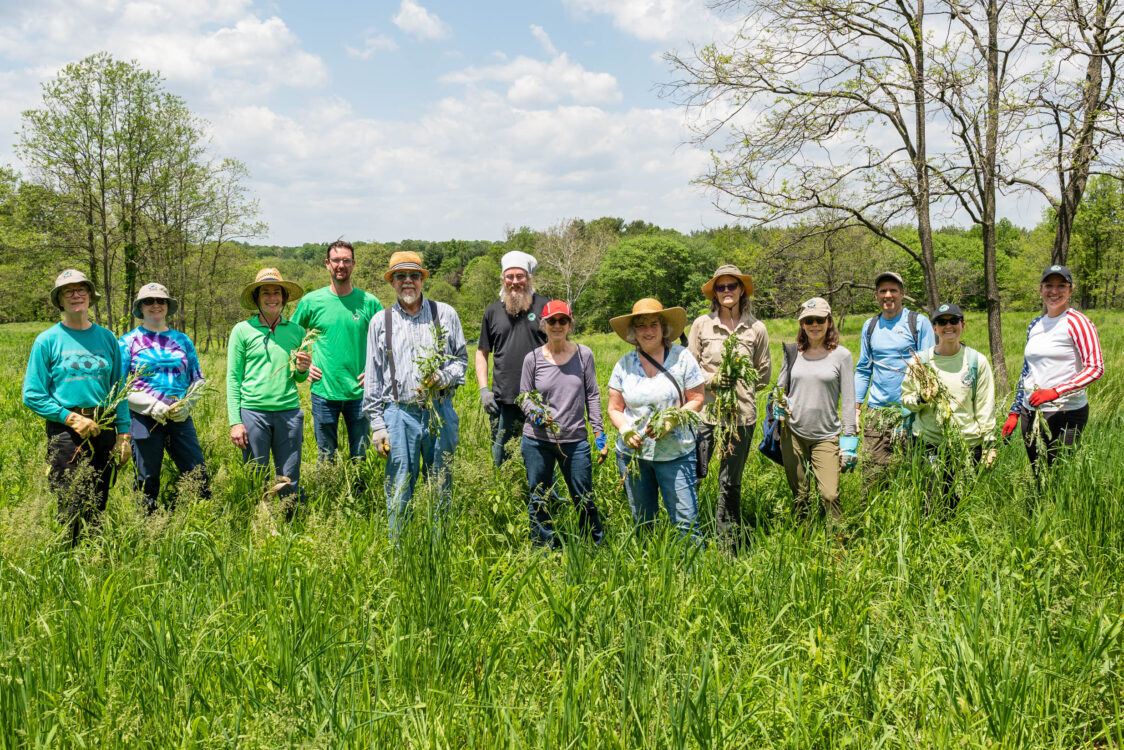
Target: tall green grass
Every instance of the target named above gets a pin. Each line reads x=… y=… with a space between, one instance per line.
x=221 y=625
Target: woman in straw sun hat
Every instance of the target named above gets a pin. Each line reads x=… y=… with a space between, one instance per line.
x=165 y=367
x=72 y=381
x=656 y=459
x=729 y=291
x=262 y=402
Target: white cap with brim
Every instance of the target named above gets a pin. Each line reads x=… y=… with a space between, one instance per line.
x=71 y=276
x=154 y=291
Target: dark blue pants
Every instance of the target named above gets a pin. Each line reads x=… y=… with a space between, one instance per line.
x=575 y=461
x=325 y=423
x=150 y=440
x=505 y=425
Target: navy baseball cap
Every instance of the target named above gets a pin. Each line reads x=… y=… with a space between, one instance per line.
x=1060 y=271
x=948 y=310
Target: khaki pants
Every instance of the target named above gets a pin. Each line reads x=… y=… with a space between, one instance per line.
x=878 y=450
x=823 y=457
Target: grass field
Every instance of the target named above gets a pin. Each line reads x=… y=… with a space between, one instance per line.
x=218 y=626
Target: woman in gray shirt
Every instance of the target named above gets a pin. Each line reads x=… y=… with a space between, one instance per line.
x=820 y=374
x=562 y=374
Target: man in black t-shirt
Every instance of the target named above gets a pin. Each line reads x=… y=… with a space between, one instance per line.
x=509 y=331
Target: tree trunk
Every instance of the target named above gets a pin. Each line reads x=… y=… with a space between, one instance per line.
x=991 y=137
x=921 y=162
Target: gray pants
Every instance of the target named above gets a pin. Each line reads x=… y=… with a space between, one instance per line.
x=280 y=433
x=731 y=466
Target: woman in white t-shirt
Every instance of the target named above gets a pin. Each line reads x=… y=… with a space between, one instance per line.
x=1062 y=357
x=656 y=375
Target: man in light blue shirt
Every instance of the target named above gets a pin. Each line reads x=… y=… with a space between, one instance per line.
x=413 y=424
x=888 y=341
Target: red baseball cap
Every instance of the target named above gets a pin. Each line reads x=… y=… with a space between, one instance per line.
x=556 y=307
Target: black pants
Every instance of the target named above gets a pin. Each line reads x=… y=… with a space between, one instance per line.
x=1064 y=427
x=731 y=466
x=81 y=475
x=944 y=464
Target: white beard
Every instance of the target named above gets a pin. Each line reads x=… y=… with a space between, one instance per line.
x=409 y=296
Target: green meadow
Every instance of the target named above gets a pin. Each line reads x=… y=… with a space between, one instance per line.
x=221 y=625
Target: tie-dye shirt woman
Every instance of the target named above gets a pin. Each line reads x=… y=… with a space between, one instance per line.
x=166 y=359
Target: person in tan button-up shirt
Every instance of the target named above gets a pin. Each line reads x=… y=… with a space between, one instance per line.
x=729 y=291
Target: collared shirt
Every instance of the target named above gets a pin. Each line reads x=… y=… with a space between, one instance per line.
x=509 y=338
x=411 y=339
x=707 y=340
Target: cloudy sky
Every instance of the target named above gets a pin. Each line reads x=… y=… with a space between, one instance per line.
x=427 y=119
x=387 y=119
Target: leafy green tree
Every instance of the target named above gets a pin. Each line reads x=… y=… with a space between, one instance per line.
x=649 y=266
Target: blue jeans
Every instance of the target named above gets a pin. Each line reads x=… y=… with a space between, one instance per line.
x=280 y=433
x=150 y=440
x=505 y=425
x=575 y=461
x=674 y=480
x=413 y=445
x=326 y=422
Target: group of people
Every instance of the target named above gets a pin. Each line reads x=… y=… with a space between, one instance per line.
x=391 y=375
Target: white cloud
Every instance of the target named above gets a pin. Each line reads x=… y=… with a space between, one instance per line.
x=659 y=20
x=373 y=42
x=416 y=20
x=543 y=39
x=534 y=82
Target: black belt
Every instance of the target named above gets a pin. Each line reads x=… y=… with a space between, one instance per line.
x=89 y=412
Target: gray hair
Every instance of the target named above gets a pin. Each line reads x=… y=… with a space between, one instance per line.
x=665 y=328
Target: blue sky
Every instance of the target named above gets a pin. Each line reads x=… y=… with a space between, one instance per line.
x=426 y=119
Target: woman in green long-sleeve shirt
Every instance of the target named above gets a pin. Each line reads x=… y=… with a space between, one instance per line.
x=73 y=374
x=261 y=389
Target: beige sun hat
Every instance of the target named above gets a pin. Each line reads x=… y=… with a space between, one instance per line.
x=405 y=260
x=728 y=270
x=155 y=291
x=675 y=316
x=269 y=276
x=72 y=276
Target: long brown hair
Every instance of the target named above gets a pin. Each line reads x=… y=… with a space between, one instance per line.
x=830 y=339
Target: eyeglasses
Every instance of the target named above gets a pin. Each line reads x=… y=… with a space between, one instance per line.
x=946 y=321
x=810 y=320
x=558 y=320
x=411 y=276
x=153 y=301
x=341 y=261
x=79 y=292
x=726 y=287
x=515 y=277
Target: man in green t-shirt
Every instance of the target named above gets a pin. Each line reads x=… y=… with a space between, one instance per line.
x=342 y=314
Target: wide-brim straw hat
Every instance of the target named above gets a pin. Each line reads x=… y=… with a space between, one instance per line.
x=405 y=260
x=675 y=316
x=154 y=291
x=269 y=276
x=72 y=276
x=728 y=270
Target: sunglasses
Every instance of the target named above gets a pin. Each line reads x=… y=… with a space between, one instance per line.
x=946 y=321
x=153 y=301
x=558 y=320
x=727 y=287
x=411 y=276
x=814 y=321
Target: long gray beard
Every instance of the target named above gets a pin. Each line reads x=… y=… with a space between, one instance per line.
x=517 y=302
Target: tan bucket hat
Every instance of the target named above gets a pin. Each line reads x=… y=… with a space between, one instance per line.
x=269 y=276
x=675 y=316
x=154 y=291
x=728 y=270
x=72 y=276
x=405 y=260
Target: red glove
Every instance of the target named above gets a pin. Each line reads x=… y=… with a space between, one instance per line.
x=1011 y=423
x=1042 y=395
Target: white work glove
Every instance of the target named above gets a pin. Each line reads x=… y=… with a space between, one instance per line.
x=381 y=440
x=148 y=405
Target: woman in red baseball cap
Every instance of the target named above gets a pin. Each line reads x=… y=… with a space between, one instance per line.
x=562 y=375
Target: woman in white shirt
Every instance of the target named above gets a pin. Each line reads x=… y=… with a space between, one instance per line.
x=1062 y=357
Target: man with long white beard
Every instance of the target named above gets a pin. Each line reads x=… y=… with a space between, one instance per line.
x=509 y=331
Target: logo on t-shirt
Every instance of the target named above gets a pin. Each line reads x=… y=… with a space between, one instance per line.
x=531 y=317
x=356 y=316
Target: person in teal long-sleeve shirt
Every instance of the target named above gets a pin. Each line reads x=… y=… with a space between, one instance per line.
x=73 y=377
x=262 y=401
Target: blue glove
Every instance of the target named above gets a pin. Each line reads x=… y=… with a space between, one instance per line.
x=538 y=419
x=849 y=448
x=779 y=412
x=601 y=441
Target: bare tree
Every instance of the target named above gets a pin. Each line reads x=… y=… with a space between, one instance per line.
x=825 y=108
x=570 y=253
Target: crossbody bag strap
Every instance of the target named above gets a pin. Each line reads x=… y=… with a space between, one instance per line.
x=661 y=368
x=388 y=321
x=789 y=362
